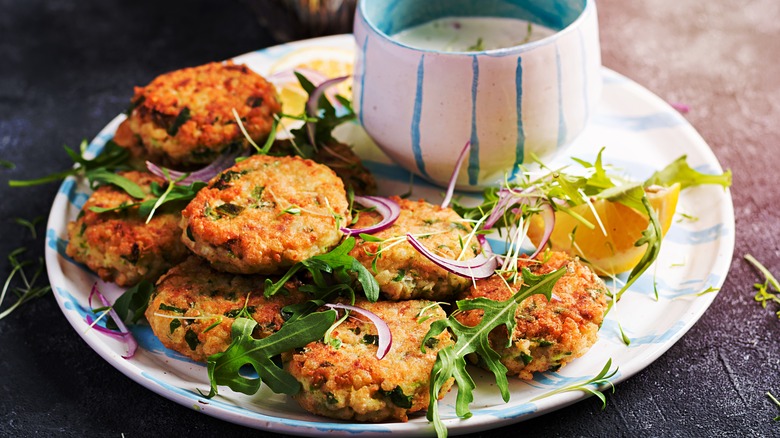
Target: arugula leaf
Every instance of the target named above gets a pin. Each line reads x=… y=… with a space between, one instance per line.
x=450 y=361
x=337 y=262
x=170 y=194
x=652 y=236
x=630 y=195
x=680 y=172
x=326 y=120
x=224 y=369
x=113 y=157
x=132 y=304
x=102 y=176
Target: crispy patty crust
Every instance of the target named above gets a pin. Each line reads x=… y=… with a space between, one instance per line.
x=345 y=380
x=193 y=308
x=185 y=118
x=550 y=334
x=265 y=214
x=401 y=271
x=342 y=159
x=119 y=246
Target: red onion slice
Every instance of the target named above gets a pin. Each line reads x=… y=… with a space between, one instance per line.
x=477 y=268
x=224 y=161
x=312 y=104
x=132 y=344
x=451 y=185
x=389 y=209
x=113 y=333
x=548 y=215
x=383 y=331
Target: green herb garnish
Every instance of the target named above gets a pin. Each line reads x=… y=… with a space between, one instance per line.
x=28 y=289
x=479 y=46
x=776 y=402
x=224 y=368
x=113 y=158
x=132 y=304
x=602 y=378
x=764 y=292
x=337 y=262
x=30 y=225
x=326 y=120
x=450 y=361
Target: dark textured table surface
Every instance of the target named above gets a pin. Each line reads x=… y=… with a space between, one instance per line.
x=68 y=67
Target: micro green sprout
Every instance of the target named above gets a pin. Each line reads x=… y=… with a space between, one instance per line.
x=764 y=292
x=591 y=386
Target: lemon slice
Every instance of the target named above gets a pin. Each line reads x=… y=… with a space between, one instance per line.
x=330 y=61
x=614 y=252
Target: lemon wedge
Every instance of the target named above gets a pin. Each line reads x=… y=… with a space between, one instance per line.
x=613 y=252
x=332 y=62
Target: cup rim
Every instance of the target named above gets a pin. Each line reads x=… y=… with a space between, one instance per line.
x=503 y=51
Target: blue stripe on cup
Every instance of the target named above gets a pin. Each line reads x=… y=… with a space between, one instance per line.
x=520 y=145
x=418 y=102
x=474 y=153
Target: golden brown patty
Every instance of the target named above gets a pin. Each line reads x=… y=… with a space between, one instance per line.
x=125 y=138
x=265 y=214
x=193 y=308
x=348 y=382
x=401 y=271
x=342 y=159
x=185 y=117
x=119 y=246
x=548 y=334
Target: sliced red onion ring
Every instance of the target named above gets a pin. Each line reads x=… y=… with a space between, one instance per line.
x=507 y=198
x=477 y=268
x=313 y=104
x=548 y=215
x=132 y=344
x=383 y=331
x=451 y=185
x=389 y=209
x=113 y=333
x=224 y=161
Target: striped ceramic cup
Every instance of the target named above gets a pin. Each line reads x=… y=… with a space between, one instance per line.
x=421 y=100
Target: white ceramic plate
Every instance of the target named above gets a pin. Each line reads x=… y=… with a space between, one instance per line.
x=640 y=132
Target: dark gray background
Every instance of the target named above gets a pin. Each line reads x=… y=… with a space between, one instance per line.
x=68 y=67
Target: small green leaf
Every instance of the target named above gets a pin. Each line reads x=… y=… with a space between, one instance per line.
x=224 y=368
x=680 y=172
x=336 y=262
x=103 y=176
x=132 y=304
x=450 y=361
